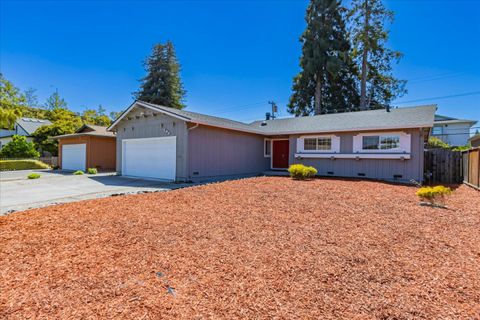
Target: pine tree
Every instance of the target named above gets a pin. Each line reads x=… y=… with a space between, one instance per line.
x=378 y=86
x=162 y=84
x=325 y=83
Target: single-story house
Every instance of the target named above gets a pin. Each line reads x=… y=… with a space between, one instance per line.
x=453 y=131
x=164 y=143
x=89 y=147
x=23 y=127
x=475 y=140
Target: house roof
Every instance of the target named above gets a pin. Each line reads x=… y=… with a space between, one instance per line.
x=190 y=116
x=397 y=118
x=440 y=119
x=401 y=118
x=31 y=124
x=89 y=130
x=475 y=137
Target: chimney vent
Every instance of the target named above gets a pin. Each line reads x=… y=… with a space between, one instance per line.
x=268 y=115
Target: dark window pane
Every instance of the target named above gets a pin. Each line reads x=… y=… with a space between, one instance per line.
x=370 y=143
x=310 y=144
x=324 y=144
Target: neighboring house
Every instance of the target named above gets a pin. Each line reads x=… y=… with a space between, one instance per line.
x=164 y=143
x=453 y=131
x=89 y=147
x=475 y=140
x=23 y=127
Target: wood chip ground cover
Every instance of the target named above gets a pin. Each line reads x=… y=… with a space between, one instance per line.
x=254 y=248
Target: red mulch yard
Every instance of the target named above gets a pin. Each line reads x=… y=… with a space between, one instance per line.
x=254 y=248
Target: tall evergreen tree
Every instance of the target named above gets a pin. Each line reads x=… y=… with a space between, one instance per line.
x=326 y=81
x=162 y=84
x=378 y=86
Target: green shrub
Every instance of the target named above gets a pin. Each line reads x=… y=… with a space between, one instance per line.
x=462 y=148
x=19 y=148
x=33 y=176
x=434 y=195
x=92 y=171
x=435 y=143
x=78 y=173
x=301 y=172
x=12 y=165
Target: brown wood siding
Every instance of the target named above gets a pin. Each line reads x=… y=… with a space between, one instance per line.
x=100 y=151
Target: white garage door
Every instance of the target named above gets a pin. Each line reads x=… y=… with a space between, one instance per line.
x=149 y=157
x=74 y=156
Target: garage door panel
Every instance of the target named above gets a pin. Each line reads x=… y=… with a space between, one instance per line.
x=150 y=158
x=74 y=156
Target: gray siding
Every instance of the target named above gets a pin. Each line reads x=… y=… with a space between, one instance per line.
x=383 y=169
x=219 y=152
x=154 y=126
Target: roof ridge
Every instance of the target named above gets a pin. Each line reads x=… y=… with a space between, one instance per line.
x=193 y=112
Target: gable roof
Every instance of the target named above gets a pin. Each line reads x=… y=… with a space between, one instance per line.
x=398 y=118
x=89 y=130
x=31 y=124
x=440 y=119
x=189 y=116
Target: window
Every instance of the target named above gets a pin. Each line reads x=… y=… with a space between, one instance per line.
x=437 y=130
x=385 y=142
x=267 y=148
x=317 y=143
x=310 y=144
x=389 y=142
x=370 y=143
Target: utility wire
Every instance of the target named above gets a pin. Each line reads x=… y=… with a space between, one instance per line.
x=442 y=97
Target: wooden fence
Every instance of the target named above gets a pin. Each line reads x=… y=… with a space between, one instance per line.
x=443 y=166
x=471 y=167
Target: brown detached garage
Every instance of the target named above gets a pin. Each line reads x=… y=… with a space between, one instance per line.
x=89 y=147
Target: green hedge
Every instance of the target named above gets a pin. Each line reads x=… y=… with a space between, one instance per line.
x=12 y=165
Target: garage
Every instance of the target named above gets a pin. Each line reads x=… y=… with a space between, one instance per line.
x=74 y=156
x=149 y=158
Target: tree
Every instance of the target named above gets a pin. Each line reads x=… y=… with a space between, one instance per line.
x=325 y=82
x=31 y=98
x=19 y=148
x=11 y=103
x=114 y=115
x=55 y=102
x=162 y=84
x=369 y=36
x=64 y=121
x=91 y=116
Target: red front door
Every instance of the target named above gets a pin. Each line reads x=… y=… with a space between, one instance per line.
x=280 y=154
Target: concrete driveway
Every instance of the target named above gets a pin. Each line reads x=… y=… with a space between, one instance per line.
x=17 y=193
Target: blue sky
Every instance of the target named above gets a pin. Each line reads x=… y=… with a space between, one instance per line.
x=235 y=55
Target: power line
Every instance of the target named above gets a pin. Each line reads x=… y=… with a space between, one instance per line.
x=442 y=97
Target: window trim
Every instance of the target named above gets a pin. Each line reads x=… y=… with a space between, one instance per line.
x=334 y=143
x=265 y=155
x=404 y=142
